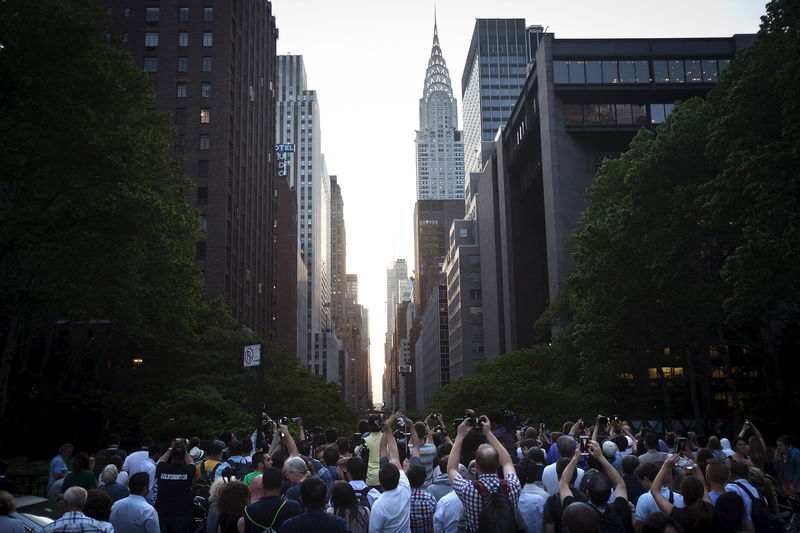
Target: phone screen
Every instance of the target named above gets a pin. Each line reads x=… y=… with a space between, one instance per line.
x=681 y=445
x=584 y=444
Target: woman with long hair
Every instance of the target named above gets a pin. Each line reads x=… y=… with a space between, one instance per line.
x=740 y=451
x=345 y=505
x=232 y=498
x=697 y=515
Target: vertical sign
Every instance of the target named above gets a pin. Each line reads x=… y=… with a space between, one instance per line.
x=282 y=150
x=252 y=355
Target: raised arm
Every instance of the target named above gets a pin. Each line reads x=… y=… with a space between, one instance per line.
x=288 y=441
x=620 y=491
x=455 y=453
x=566 y=476
x=505 y=459
x=658 y=482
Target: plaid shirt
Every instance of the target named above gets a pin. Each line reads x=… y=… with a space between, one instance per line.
x=423 y=505
x=77 y=522
x=328 y=474
x=471 y=497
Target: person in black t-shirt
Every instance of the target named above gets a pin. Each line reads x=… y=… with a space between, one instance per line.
x=174 y=475
x=553 y=509
x=272 y=509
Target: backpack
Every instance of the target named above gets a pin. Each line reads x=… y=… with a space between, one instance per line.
x=610 y=522
x=269 y=528
x=498 y=512
x=361 y=496
x=761 y=515
x=203 y=486
x=241 y=469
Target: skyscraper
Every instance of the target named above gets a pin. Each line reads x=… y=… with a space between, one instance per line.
x=440 y=149
x=213 y=69
x=494 y=74
x=338 y=259
x=298 y=124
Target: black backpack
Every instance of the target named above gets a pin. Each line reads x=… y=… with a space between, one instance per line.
x=610 y=522
x=241 y=469
x=498 y=513
x=203 y=486
x=764 y=521
x=361 y=496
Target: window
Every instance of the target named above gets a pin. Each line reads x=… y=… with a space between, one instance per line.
x=657 y=113
x=576 y=73
x=560 y=72
x=183 y=38
x=151 y=14
x=179 y=141
x=610 y=74
x=206 y=64
x=594 y=72
x=693 y=72
x=183 y=64
x=205 y=116
x=660 y=72
x=127 y=12
x=203 y=223
x=709 y=70
x=151 y=64
x=204 y=141
x=202 y=195
x=151 y=39
x=208 y=38
x=676 y=72
x=125 y=37
x=202 y=169
x=208 y=14
x=627 y=71
x=205 y=90
x=180 y=115
x=642 y=72
x=183 y=14
x=573 y=114
x=201 y=250
x=474 y=260
x=180 y=90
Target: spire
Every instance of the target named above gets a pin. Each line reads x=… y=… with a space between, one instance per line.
x=437 y=77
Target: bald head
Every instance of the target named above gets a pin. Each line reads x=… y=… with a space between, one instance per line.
x=75 y=499
x=487 y=460
x=581 y=518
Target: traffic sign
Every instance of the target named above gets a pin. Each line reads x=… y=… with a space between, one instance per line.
x=252 y=355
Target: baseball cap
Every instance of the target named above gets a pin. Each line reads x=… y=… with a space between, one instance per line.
x=609 y=449
x=215 y=447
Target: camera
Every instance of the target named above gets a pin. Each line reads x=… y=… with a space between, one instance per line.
x=180 y=441
x=438 y=429
x=510 y=420
x=282 y=421
x=297 y=420
x=584 y=443
x=474 y=422
x=401 y=422
x=602 y=420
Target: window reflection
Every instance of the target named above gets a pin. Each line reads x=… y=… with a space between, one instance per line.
x=594 y=72
x=610 y=74
x=576 y=74
x=676 y=71
x=605 y=114
x=627 y=71
x=709 y=70
x=560 y=72
x=660 y=71
x=693 y=74
x=642 y=72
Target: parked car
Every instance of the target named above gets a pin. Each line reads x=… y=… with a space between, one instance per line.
x=35 y=512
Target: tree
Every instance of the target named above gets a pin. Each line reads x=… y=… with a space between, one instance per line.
x=99 y=226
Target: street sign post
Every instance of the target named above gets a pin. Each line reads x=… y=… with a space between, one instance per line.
x=252 y=357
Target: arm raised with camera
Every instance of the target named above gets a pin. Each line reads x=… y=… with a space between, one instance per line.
x=455 y=453
x=620 y=491
x=505 y=459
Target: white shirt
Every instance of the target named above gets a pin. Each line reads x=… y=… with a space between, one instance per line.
x=133 y=463
x=149 y=466
x=392 y=511
x=531 y=507
x=448 y=513
x=134 y=515
x=647 y=505
x=550 y=479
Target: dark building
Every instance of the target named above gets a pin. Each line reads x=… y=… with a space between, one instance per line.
x=338 y=258
x=432 y=349
x=583 y=101
x=432 y=220
x=213 y=69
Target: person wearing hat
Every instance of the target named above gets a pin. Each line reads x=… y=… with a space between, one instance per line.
x=373 y=443
x=213 y=460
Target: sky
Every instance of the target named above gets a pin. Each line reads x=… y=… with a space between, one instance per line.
x=367 y=58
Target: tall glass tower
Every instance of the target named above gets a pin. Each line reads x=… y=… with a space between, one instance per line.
x=440 y=148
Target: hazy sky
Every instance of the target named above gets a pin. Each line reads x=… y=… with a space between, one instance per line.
x=367 y=58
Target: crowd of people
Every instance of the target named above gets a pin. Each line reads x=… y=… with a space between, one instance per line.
x=396 y=475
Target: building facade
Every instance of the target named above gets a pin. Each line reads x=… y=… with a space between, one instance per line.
x=432 y=350
x=432 y=220
x=213 y=69
x=440 y=148
x=338 y=258
x=584 y=101
x=298 y=124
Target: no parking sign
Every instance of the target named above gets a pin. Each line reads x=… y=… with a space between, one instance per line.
x=252 y=355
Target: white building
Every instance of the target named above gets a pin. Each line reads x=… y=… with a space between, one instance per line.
x=440 y=148
x=298 y=123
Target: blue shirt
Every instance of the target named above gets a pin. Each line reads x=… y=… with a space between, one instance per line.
x=134 y=515
x=57 y=466
x=748 y=503
x=318 y=521
x=328 y=474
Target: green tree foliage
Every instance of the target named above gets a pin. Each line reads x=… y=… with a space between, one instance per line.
x=95 y=223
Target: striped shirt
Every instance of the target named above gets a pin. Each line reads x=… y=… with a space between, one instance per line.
x=77 y=522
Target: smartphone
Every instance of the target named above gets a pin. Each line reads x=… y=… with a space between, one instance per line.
x=680 y=445
x=584 y=442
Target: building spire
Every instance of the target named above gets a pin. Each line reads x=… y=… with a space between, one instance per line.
x=437 y=77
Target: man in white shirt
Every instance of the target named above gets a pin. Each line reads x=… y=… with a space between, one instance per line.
x=646 y=505
x=133 y=514
x=148 y=466
x=566 y=448
x=448 y=513
x=391 y=512
x=133 y=461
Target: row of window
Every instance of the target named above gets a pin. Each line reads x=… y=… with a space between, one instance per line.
x=614 y=114
x=180 y=115
x=151 y=64
x=182 y=88
x=151 y=39
x=637 y=71
x=153 y=14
